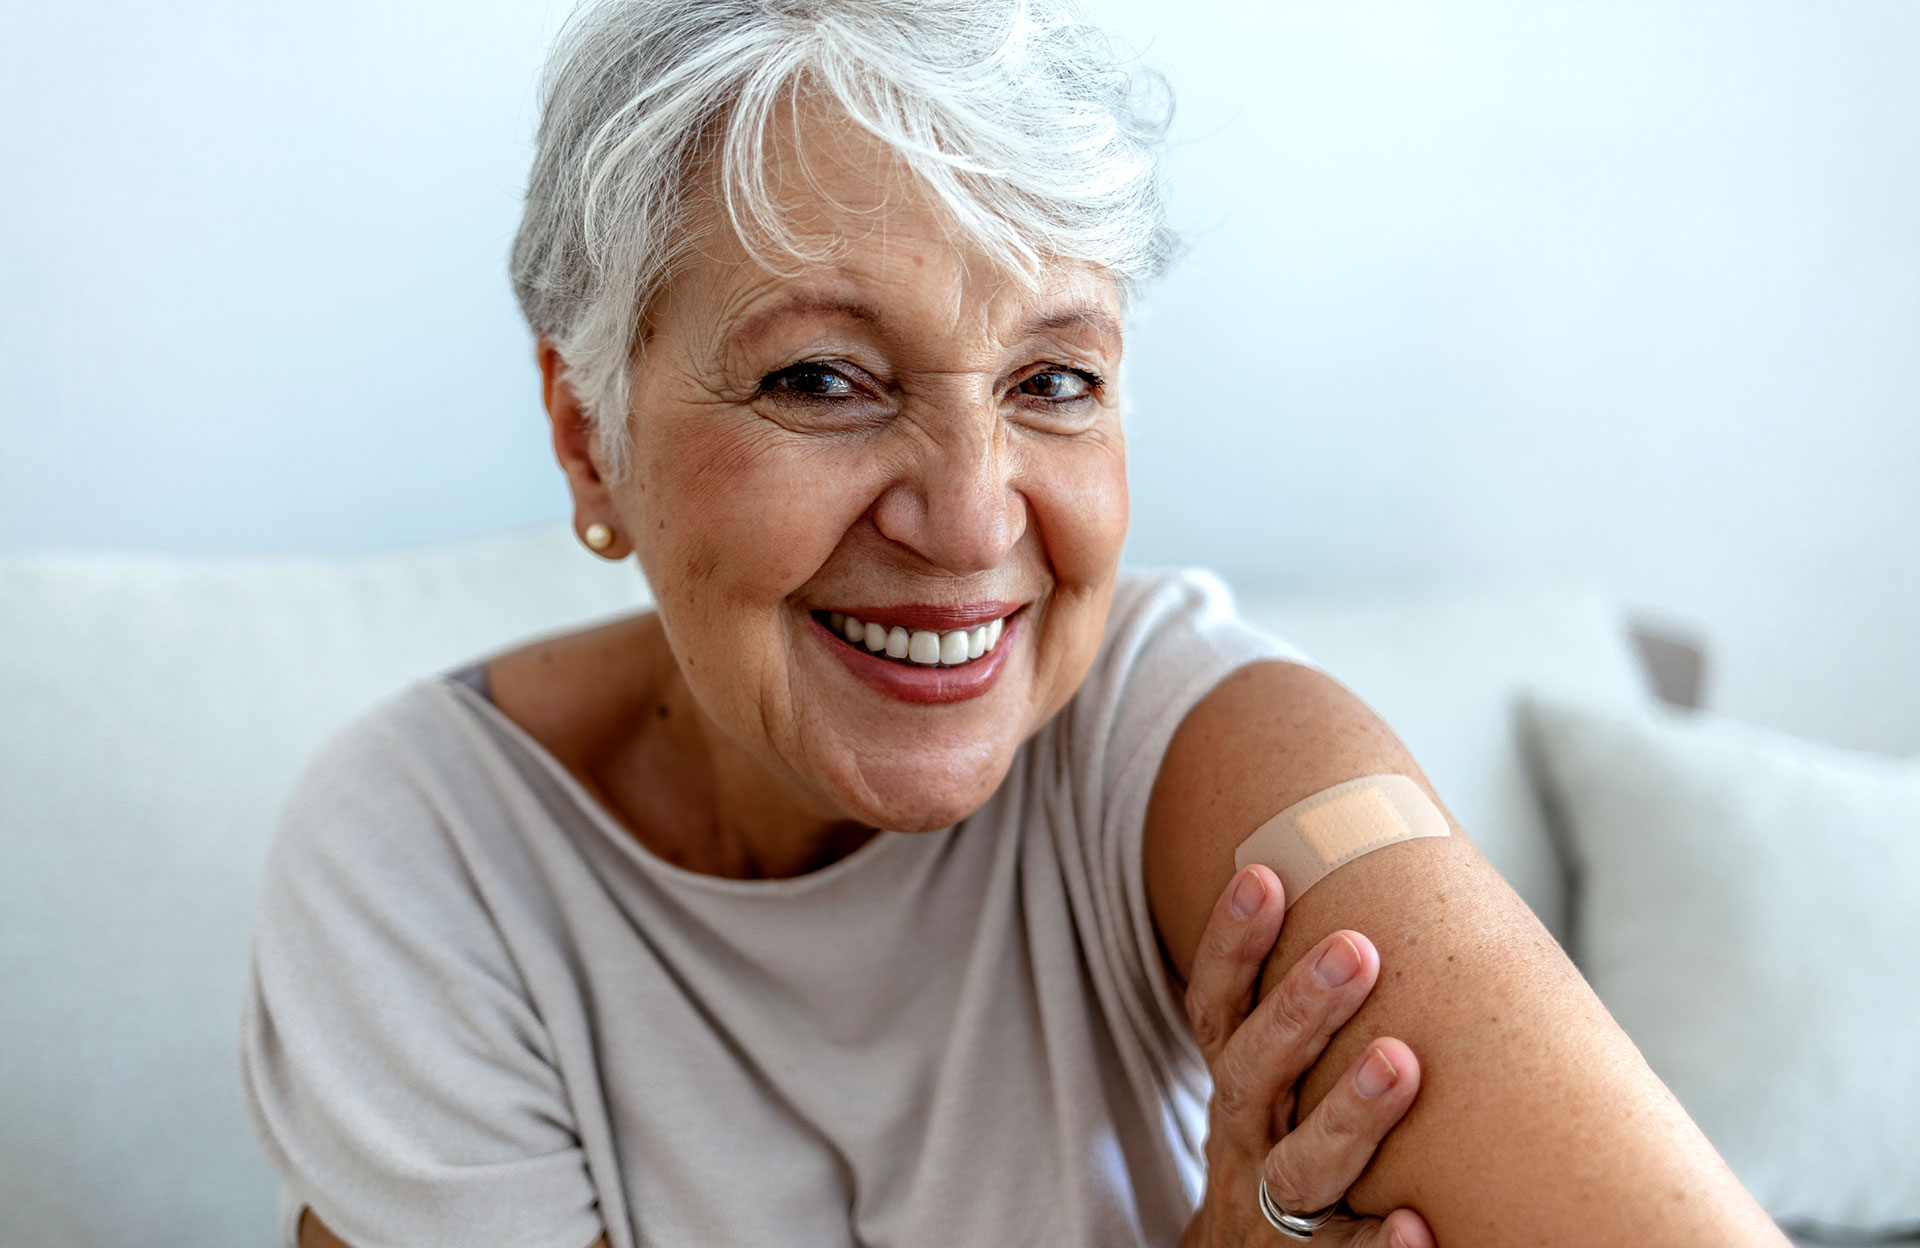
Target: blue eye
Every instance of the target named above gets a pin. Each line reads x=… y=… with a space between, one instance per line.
x=1060 y=385
x=813 y=381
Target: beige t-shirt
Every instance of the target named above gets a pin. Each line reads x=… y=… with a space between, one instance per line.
x=481 y=1013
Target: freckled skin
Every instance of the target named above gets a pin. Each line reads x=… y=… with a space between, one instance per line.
x=1537 y=1122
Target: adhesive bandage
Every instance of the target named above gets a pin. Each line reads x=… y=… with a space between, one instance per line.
x=1312 y=838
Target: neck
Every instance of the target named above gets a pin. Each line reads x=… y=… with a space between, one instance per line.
x=761 y=829
x=691 y=795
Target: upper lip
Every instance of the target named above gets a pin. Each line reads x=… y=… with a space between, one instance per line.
x=930 y=616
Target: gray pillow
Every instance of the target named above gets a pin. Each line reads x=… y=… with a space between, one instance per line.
x=1748 y=907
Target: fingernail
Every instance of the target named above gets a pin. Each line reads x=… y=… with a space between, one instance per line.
x=1376 y=1076
x=1340 y=963
x=1247 y=895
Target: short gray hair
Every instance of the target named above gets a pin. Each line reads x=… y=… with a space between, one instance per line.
x=1019 y=117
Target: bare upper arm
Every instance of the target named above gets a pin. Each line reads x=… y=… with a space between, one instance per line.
x=314 y=1233
x=1537 y=1120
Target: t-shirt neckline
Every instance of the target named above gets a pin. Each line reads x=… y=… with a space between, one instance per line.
x=881 y=845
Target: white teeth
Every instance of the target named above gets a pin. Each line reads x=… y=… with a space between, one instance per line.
x=922 y=646
x=953 y=648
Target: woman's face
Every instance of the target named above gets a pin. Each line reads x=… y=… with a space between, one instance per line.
x=904 y=437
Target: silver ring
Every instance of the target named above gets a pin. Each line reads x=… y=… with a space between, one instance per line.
x=1300 y=1226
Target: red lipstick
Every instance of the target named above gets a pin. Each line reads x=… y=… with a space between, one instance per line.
x=926 y=686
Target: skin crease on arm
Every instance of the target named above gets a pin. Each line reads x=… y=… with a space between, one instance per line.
x=1538 y=1122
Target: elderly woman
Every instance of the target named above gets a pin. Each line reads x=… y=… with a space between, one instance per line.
x=878 y=887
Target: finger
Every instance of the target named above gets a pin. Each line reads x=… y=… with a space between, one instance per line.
x=1226 y=967
x=1314 y=1164
x=1262 y=1061
x=1403 y=1228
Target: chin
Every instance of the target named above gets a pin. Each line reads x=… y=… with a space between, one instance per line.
x=926 y=794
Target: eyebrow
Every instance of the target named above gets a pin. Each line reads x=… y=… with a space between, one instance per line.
x=1085 y=317
x=808 y=305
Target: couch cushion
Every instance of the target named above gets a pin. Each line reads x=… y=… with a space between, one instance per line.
x=1443 y=669
x=153 y=714
x=1745 y=910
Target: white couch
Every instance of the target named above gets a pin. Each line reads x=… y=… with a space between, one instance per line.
x=155 y=712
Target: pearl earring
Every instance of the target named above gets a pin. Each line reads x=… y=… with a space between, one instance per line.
x=598 y=536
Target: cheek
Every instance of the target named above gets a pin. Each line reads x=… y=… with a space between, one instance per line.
x=1081 y=512
x=743 y=510
x=1079 y=500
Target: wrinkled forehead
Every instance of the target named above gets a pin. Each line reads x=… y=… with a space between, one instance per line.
x=836 y=220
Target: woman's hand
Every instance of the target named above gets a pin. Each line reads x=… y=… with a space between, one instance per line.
x=1257 y=1055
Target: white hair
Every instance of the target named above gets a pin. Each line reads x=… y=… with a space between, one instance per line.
x=1027 y=129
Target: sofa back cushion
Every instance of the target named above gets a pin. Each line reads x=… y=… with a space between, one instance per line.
x=1747 y=915
x=153 y=715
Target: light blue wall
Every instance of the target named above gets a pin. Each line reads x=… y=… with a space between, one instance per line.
x=1494 y=291
x=254 y=262
x=1477 y=292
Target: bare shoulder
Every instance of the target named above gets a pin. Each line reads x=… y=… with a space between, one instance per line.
x=573 y=691
x=608 y=705
x=1537 y=1120
x=1270 y=735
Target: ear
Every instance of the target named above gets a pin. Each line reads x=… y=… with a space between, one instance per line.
x=577 y=448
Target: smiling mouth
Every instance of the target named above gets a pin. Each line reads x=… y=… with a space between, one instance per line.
x=915 y=647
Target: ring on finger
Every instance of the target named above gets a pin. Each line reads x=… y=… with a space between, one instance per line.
x=1300 y=1226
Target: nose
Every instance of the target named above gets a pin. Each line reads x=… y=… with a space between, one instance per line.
x=957 y=503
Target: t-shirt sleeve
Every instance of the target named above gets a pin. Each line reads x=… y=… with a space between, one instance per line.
x=393 y=1065
x=1171 y=639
